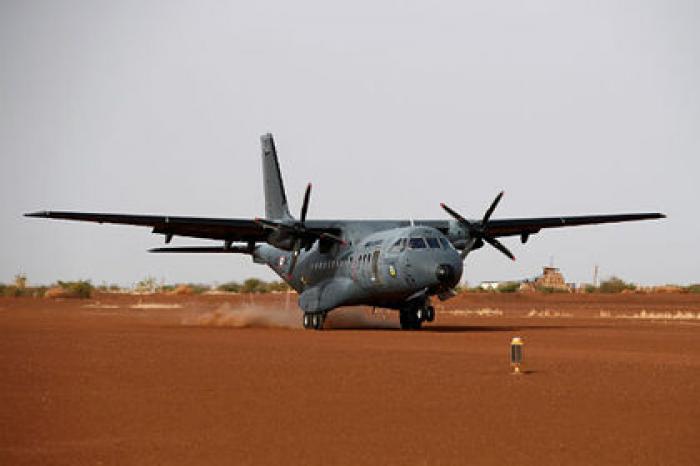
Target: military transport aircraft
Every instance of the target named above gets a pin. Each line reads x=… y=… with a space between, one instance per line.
x=395 y=264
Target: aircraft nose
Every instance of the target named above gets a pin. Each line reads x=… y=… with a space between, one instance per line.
x=446 y=274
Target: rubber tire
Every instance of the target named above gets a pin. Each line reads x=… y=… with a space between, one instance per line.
x=409 y=320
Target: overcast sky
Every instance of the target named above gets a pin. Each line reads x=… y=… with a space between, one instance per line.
x=388 y=107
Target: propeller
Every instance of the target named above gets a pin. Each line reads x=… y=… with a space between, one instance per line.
x=481 y=231
x=298 y=230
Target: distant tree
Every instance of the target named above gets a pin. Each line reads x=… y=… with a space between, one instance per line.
x=81 y=289
x=231 y=287
x=147 y=285
x=590 y=289
x=615 y=285
x=278 y=287
x=508 y=287
x=254 y=285
x=695 y=288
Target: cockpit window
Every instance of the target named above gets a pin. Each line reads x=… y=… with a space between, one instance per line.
x=445 y=243
x=398 y=246
x=433 y=242
x=416 y=243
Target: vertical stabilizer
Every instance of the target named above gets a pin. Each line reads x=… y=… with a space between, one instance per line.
x=275 y=199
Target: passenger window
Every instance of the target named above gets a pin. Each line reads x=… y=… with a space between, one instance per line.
x=416 y=243
x=445 y=243
x=433 y=243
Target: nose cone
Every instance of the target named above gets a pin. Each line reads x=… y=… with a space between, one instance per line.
x=447 y=275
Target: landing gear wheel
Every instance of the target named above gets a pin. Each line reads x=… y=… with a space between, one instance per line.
x=318 y=320
x=430 y=314
x=307 y=321
x=409 y=319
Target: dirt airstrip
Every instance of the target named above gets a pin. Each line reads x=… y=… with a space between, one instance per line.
x=233 y=379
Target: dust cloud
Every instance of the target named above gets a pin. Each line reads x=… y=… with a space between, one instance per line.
x=247 y=316
x=257 y=316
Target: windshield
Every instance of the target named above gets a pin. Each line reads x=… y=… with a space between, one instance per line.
x=433 y=243
x=416 y=243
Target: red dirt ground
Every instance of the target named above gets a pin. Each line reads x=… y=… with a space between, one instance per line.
x=233 y=380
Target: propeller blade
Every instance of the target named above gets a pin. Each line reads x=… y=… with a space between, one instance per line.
x=498 y=245
x=456 y=216
x=488 y=213
x=305 y=204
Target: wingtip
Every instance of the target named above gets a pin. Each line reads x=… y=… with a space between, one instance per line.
x=40 y=213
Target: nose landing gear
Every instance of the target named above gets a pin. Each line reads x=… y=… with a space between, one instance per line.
x=314 y=320
x=414 y=314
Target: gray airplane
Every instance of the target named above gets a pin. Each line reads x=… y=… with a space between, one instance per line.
x=394 y=264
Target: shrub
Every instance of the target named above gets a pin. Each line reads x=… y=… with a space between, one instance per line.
x=147 y=285
x=198 y=288
x=81 y=289
x=694 y=288
x=11 y=291
x=180 y=290
x=615 y=285
x=277 y=287
x=231 y=287
x=508 y=287
x=551 y=289
x=254 y=285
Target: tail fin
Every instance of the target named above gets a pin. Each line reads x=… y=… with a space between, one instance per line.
x=275 y=199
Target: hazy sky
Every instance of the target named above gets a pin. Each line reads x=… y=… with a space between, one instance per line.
x=388 y=107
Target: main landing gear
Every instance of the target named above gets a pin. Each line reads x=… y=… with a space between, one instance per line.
x=414 y=314
x=314 y=320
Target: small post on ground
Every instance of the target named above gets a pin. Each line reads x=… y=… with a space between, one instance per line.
x=516 y=354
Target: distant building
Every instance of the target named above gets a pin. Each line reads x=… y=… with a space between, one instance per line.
x=551 y=279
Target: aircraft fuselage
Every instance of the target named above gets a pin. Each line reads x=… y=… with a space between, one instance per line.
x=385 y=268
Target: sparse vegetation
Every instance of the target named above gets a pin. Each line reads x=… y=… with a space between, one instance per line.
x=198 y=288
x=551 y=289
x=615 y=285
x=230 y=287
x=81 y=289
x=19 y=288
x=591 y=289
x=254 y=285
x=508 y=287
x=694 y=288
x=147 y=285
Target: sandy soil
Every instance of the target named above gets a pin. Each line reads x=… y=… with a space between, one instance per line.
x=234 y=380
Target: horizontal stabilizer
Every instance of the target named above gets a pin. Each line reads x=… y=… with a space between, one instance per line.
x=205 y=249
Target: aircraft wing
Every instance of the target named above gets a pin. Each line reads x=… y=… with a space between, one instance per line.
x=234 y=230
x=528 y=226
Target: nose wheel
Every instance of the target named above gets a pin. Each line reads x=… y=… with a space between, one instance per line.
x=412 y=316
x=314 y=320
